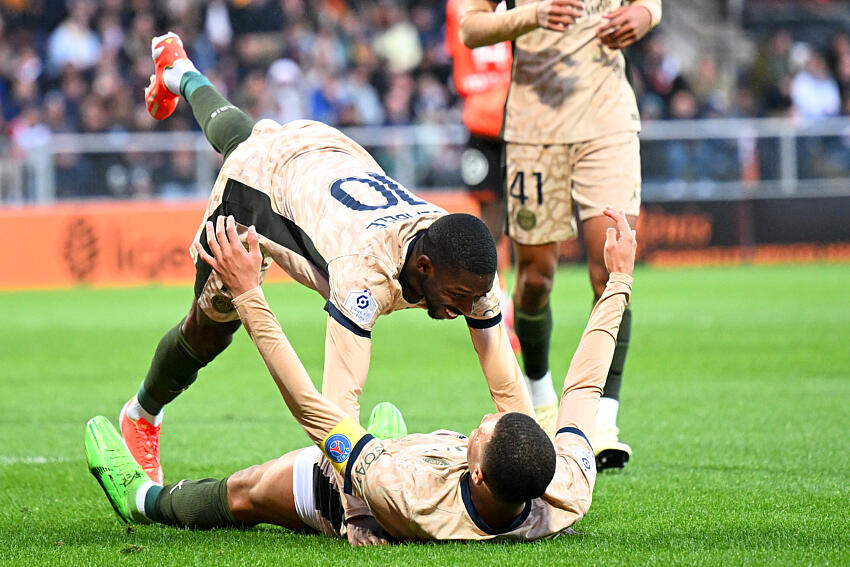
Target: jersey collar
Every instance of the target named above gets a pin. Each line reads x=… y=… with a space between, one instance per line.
x=476 y=517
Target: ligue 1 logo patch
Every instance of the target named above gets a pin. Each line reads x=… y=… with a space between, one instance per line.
x=338 y=447
x=586 y=460
x=361 y=305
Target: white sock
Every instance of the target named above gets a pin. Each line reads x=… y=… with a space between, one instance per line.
x=172 y=75
x=542 y=392
x=140 y=496
x=607 y=412
x=135 y=411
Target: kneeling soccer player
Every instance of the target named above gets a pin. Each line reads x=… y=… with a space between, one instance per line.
x=506 y=480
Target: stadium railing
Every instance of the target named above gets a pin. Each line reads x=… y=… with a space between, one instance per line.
x=713 y=159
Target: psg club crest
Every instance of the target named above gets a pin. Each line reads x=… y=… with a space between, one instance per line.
x=338 y=447
x=361 y=305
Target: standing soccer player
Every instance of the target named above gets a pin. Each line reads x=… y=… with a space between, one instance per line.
x=324 y=211
x=571 y=124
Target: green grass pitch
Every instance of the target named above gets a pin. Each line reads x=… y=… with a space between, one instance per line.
x=736 y=402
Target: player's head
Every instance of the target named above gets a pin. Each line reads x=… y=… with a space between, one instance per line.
x=460 y=264
x=512 y=455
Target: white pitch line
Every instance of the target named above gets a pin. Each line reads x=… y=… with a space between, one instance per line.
x=23 y=460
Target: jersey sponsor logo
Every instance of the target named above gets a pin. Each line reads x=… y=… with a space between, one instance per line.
x=436 y=461
x=361 y=305
x=338 y=447
x=385 y=221
x=368 y=458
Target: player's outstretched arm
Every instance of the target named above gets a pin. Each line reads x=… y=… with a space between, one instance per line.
x=240 y=273
x=589 y=366
x=481 y=25
x=501 y=370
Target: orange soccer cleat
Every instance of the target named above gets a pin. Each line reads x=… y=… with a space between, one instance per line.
x=166 y=50
x=142 y=439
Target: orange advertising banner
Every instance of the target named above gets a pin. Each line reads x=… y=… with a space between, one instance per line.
x=117 y=243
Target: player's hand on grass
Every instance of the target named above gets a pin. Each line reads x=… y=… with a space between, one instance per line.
x=620 y=243
x=625 y=26
x=238 y=268
x=366 y=531
x=557 y=15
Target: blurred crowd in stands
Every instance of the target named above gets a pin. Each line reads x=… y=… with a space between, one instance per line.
x=82 y=66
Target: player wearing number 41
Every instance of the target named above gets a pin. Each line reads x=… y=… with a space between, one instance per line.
x=505 y=481
x=328 y=215
x=570 y=131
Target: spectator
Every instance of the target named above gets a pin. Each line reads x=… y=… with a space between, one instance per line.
x=814 y=93
x=287 y=98
x=771 y=73
x=398 y=41
x=73 y=42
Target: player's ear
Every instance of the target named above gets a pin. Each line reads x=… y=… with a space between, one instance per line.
x=424 y=265
x=476 y=476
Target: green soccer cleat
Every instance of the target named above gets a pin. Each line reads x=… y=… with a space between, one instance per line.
x=113 y=466
x=386 y=422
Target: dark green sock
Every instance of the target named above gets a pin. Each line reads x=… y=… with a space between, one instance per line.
x=618 y=362
x=174 y=367
x=224 y=125
x=534 y=331
x=193 y=504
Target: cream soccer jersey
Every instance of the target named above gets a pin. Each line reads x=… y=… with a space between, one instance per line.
x=417 y=488
x=328 y=215
x=567 y=86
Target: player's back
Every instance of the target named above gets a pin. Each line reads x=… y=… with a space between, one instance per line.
x=328 y=185
x=418 y=488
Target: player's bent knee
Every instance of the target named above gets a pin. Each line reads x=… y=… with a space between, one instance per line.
x=533 y=291
x=242 y=492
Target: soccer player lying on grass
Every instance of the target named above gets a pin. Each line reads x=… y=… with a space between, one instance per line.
x=506 y=480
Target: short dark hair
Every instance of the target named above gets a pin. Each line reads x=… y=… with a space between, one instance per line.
x=460 y=242
x=519 y=459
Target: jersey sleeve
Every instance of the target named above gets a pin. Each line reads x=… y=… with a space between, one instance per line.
x=654 y=7
x=480 y=25
x=336 y=434
x=571 y=488
x=589 y=366
x=361 y=289
x=501 y=370
x=575 y=471
x=487 y=311
x=346 y=367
